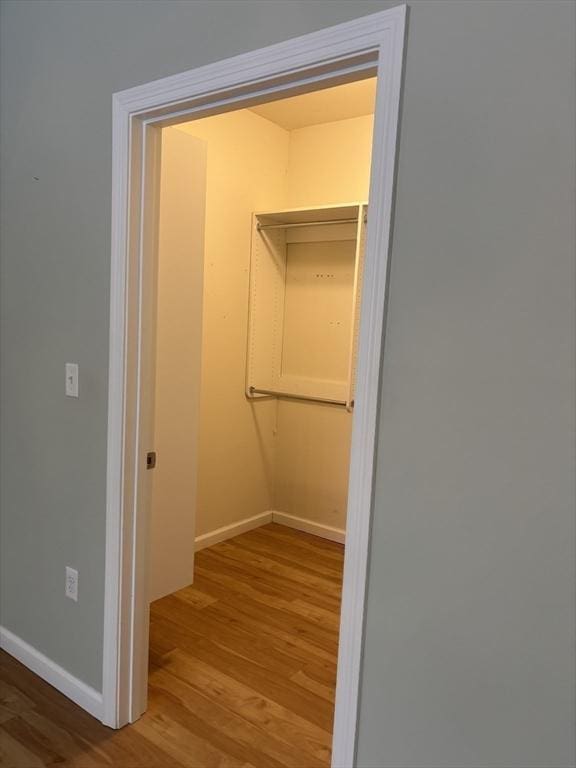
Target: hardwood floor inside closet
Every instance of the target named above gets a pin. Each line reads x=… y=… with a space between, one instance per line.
x=242 y=670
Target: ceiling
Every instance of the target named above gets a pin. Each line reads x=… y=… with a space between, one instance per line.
x=338 y=103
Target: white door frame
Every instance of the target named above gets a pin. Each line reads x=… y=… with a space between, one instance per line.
x=370 y=45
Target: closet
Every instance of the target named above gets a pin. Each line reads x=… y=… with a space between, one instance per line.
x=258 y=322
x=305 y=282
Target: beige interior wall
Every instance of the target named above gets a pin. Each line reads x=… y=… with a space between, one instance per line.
x=247 y=161
x=329 y=164
x=291 y=456
x=317 y=317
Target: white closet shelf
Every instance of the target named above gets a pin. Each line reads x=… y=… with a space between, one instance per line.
x=307 y=217
x=305 y=282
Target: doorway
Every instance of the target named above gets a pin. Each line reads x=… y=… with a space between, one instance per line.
x=260 y=263
x=344 y=54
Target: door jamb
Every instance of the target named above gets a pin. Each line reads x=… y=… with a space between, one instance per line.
x=370 y=45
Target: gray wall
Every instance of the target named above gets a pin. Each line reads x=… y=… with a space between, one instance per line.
x=469 y=657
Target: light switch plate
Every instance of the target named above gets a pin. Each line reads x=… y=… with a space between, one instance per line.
x=71 y=379
x=71 y=588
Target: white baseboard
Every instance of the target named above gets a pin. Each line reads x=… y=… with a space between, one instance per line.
x=282 y=518
x=229 y=531
x=80 y=693
x=309 y=526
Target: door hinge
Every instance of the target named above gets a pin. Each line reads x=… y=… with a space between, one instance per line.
x=150 y=459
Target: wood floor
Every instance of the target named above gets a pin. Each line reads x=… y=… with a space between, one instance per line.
x=242 y=670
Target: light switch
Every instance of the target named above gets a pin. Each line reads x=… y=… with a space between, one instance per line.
x=71 y=379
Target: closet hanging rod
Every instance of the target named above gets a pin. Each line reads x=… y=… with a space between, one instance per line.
x=306 y=224
x=275 y=393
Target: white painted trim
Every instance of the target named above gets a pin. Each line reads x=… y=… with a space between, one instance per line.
x=371 y=44
x=80 y=693
x=281 y=518
x=309 y=526
x=367 y=397
x=229 y=531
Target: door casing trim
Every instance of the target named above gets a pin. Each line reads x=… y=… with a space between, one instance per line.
x=360 y=48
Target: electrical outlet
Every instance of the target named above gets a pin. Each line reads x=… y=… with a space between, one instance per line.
x=71 y=589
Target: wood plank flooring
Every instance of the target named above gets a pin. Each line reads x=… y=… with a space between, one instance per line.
x=242 y=670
